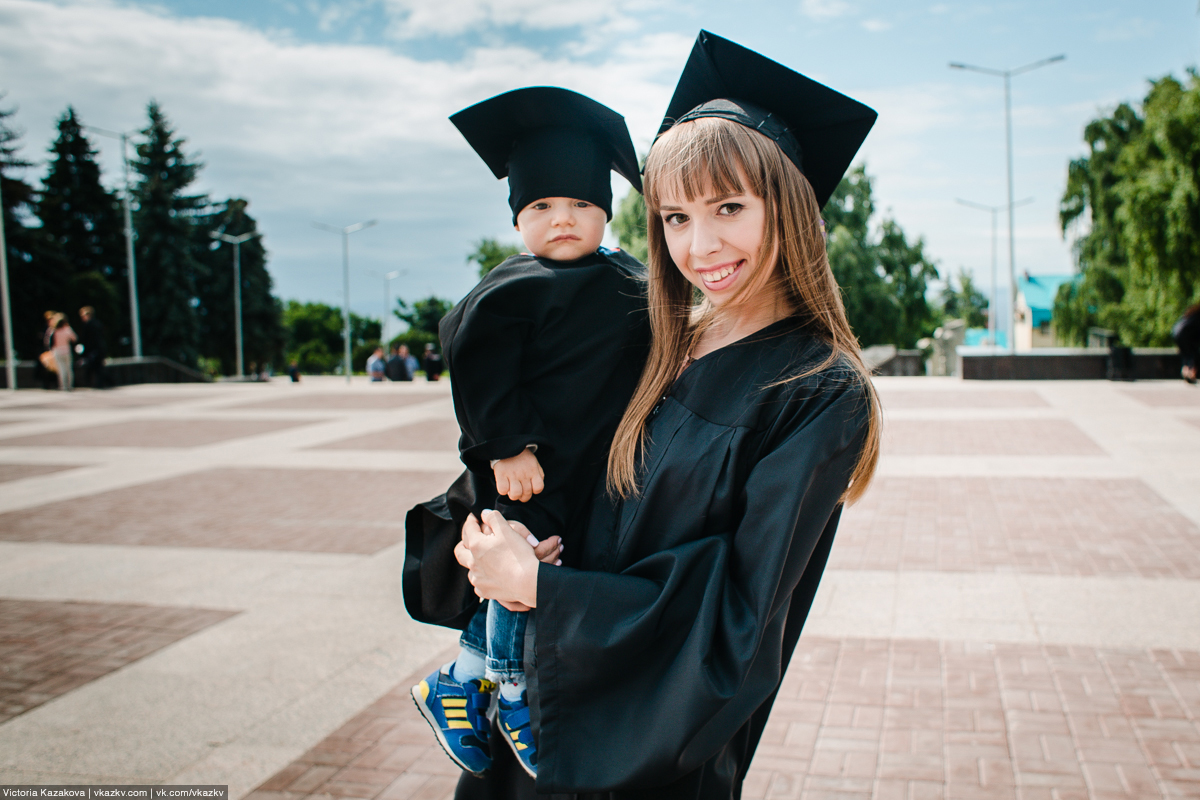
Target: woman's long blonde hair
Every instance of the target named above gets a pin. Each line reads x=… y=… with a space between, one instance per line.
x=717 y=156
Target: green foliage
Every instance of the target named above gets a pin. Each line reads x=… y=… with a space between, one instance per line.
x=629 y=224
x=965 y=302
x=262 y=327
x=83 y=223
x=423 y=315
x=313 y=336
x=884 y=277
x=1140 y=187
x=167 y=266
x=489 y=254
x=35 y=274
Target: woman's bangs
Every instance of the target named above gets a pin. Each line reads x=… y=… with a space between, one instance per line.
x=701 y=158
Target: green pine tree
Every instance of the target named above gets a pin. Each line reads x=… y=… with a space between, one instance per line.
x=262 y=327
x=83 y=222
x=629 y=224
x=35 y=275
x=164 y=220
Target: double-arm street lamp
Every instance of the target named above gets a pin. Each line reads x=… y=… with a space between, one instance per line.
x=1007 y=74
x=237 y=241
x=135 y=328
x=345 y=232
x=993 y=304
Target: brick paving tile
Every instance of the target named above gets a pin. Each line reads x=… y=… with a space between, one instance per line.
x=894 y=399
x=1029 y=525
x=1001 y=437
x=438 y=434
x=111 y=398
x=49 y=648
x=15 y=472
x=1166 y=396
x=336 y=401
x=252 y=509
x=153 y=433
x=908 y=745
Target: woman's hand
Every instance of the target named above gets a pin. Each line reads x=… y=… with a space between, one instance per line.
x=500 y=561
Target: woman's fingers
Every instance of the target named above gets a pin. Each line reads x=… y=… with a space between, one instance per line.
x=463 y=556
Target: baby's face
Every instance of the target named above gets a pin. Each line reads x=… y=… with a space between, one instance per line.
x=561 y=228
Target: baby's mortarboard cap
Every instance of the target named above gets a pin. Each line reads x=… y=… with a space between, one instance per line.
x=551 y=142
x=818 y=129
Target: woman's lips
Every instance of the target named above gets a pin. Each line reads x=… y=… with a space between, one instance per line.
x=722 y=276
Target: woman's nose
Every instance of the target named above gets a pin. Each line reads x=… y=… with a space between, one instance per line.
x=705 y=240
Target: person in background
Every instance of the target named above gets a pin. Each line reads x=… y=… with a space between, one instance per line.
x=397 y=366
x=294 y=372
x=44 y=369
x=375 y=365
x=91 y=336
x=63 y=343
x=1186 y=334
x=433 y=363
x=410 y=360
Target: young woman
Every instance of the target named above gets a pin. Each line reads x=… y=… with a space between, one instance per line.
x=660 y=644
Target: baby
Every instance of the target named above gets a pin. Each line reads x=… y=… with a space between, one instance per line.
x=543 y=356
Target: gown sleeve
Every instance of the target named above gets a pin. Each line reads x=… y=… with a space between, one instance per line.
x=647 y=673
x=487 y=345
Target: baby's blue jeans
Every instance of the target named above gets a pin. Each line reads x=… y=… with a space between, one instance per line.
x=498 y=635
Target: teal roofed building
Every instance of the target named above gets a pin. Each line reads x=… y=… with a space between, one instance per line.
x=1034 y=323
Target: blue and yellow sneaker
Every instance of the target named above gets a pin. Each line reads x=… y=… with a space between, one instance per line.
x=457 y=712
x=513 y=722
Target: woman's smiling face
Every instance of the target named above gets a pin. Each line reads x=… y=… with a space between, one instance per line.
x=715 y=240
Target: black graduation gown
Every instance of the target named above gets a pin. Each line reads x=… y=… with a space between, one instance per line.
x=658 y=656
x=540 y=352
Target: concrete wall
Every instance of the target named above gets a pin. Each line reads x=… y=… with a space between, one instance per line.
x=1151 y=363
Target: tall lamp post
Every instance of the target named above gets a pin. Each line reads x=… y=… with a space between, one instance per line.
x=992 y=301
x=345 y=232
x=135 y=328
x=387 y=300
x=1007 y=74
x=10 y=352
x=237 y=241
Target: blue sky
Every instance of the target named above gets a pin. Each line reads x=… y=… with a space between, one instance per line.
x=336 y=111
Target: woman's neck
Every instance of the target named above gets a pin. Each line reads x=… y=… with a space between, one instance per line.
x=724 y=326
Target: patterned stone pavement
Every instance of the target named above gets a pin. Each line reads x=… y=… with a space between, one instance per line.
x=1011 y=612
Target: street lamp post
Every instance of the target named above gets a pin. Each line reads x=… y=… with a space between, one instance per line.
x=992 y=301
x=237 y=241
x=345 y=232
x=387 y=300
x=10 y=352
x=135 y=328
x=1007 y=74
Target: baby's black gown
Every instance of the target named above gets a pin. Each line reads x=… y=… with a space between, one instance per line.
x=660 y=646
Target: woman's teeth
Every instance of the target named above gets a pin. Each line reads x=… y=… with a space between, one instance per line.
x=724 y=272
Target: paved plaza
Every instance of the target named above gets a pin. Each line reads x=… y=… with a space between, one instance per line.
x=200 y=584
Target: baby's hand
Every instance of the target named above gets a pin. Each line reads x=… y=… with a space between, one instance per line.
x=520 y=477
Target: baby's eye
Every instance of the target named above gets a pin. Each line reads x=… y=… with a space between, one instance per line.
x=541 y=206
x=582 y=204
x=729 y=209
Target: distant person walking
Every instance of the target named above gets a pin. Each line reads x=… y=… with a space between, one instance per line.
x=95 y=349
x=44 y=368
x=1186 y=334
x=433 y=363
x=375 y=365
x=397 y=366
x=63 y=341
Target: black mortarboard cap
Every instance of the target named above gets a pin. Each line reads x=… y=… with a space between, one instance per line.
x=551 y=142
x=818 y=129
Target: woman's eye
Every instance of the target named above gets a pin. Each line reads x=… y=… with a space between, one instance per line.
x=675 y=219
x=729 y=209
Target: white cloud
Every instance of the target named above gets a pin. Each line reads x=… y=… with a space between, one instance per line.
x=876 y=25
x=1128 y=30
x=412 y=18
x=825 y=9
